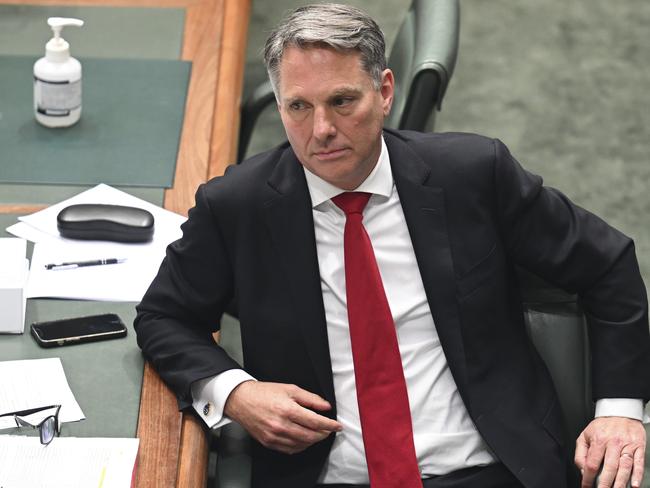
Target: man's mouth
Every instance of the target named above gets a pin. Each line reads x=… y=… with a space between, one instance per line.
x=330 y=153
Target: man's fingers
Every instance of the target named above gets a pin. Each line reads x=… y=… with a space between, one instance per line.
x=309 y=419
x=308 y=399
x=618 y=443
x=592 y=463
x=637 y=470
x=290 y=438
x=625 y=465
x=313 y=421
x=279 y=415
x=582 y=447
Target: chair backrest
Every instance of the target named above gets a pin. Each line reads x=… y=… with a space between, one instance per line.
x=422 y=58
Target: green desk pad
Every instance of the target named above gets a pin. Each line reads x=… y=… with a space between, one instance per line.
x=113 y=32
x=128 y=133
x=105 y=377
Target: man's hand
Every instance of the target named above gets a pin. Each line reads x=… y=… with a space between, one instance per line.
x=280 y=416
x=620 y=442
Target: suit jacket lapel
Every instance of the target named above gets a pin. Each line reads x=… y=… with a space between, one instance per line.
x=290 y=223
x=424 y=209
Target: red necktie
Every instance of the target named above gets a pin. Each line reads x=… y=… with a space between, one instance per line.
x=381 y=388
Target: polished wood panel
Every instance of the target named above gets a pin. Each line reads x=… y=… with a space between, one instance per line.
x=159 y=431
x=229 y=87
x=202 y=45
x=193 y=456
x=21 y=209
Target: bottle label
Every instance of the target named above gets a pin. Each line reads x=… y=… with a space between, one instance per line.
x=56 y=98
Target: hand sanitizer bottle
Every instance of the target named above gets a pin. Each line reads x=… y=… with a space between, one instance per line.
x=57 y=80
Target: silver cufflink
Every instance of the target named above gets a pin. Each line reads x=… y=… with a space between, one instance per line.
x=206 y=409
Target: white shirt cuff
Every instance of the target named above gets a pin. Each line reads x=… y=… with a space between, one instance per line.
x=621 y=407
x=210 y=395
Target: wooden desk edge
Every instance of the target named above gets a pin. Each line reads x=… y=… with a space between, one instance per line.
x=193 y=460
x=193 y=448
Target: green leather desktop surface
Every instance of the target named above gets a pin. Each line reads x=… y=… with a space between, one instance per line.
x=105 y=377
x=128 y=133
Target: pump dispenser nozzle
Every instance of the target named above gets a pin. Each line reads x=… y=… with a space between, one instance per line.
x=57 y=49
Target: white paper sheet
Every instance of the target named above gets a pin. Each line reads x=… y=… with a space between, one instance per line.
x=32 y=383
x=121 y=282
x=69 y=462
x=166 y=223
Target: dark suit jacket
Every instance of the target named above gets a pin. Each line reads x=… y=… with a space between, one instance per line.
x=473 y=214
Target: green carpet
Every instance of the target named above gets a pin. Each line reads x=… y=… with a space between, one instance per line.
x=563 y=84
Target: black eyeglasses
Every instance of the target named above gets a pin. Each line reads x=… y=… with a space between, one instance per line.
x=47 y=428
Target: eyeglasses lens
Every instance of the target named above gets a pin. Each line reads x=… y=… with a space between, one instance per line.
x=47 y=430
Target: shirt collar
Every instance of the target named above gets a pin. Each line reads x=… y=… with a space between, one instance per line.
x=378 y=182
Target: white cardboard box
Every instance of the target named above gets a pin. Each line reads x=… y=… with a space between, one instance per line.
x=14 y=269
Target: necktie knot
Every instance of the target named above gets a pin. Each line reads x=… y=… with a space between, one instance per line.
x=352 y=202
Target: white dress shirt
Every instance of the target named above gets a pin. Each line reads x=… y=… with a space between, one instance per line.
x=444 y=435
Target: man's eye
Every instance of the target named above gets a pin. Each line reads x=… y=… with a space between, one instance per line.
x=342 y=101
x=296 y=105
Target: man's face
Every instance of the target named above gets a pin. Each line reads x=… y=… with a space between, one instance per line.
x=332 y=113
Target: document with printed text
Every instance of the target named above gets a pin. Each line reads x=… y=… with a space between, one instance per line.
x=33 y=383
x=71 y=462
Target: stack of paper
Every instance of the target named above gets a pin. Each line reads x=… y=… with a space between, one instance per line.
x=33 y=383
x=67 y=461
x=126 y=281
x=70 y=462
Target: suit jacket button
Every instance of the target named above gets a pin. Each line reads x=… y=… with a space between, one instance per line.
x=206 y=409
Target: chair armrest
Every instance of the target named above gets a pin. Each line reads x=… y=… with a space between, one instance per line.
x=422 y=58
x=436 y=44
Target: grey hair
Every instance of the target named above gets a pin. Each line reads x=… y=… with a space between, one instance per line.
x=340 y=27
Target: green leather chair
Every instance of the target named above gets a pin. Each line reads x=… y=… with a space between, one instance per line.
x=422 y=57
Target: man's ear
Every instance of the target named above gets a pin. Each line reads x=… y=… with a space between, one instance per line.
x=387 y=90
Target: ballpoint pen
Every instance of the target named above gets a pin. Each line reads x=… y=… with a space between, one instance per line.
x=82 y=264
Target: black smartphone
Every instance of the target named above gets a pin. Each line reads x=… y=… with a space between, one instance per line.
x=77 y=330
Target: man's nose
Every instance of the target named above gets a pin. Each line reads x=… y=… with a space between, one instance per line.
x=324 y=126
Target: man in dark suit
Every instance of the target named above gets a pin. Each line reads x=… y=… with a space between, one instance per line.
x=449 y=217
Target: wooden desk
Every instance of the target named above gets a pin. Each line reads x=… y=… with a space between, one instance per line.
x=173 y=447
